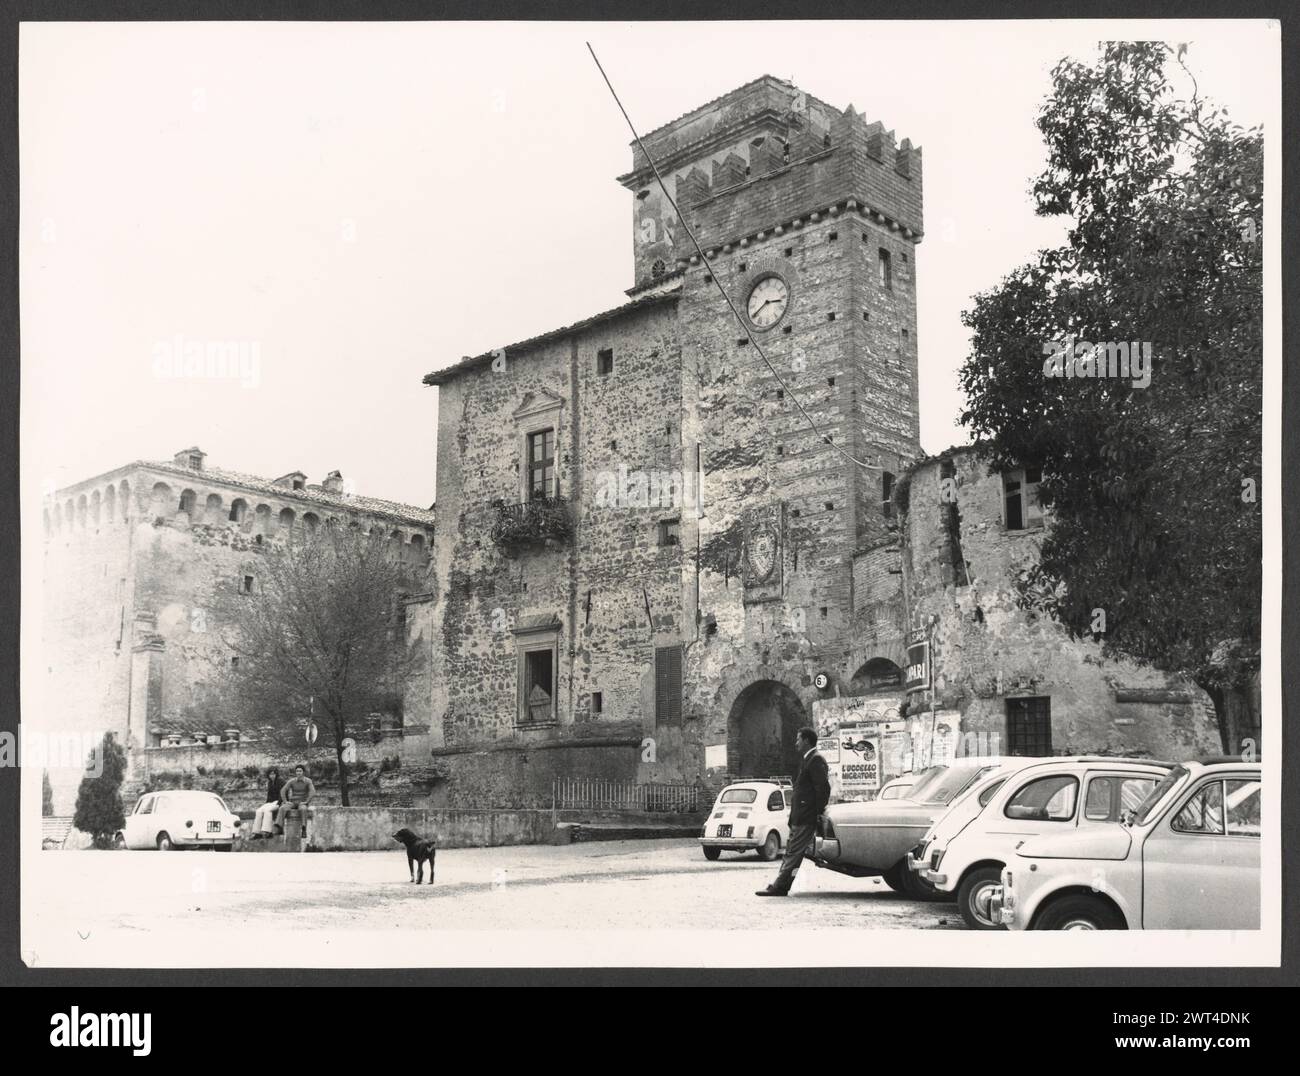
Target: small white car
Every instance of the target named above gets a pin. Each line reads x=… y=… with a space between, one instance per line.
x=182 y=818
x=750 y=815
x=1186 y=859
x=965 y=853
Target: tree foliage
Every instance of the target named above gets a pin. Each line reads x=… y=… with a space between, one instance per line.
x=99 y=797
x=322 y=638
x=1153 y=491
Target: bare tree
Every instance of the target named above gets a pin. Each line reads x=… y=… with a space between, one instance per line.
x=322 y=639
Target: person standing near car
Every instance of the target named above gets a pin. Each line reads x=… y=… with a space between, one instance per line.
x=812 y=791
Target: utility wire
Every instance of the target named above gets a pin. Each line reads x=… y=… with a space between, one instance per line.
x=699 y=250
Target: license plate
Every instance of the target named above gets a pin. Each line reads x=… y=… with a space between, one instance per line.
x=214 y=827
x=724 y=831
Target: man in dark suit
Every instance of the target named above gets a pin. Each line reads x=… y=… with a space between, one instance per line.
x=812 y=790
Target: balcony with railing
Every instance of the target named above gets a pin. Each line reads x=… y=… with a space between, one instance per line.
x=541 y=523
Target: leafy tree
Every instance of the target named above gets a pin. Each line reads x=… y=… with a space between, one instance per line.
x=321 y=639
x=1153 y=490
x=99 y=798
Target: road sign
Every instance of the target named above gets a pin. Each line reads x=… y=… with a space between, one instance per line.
x=312 y=732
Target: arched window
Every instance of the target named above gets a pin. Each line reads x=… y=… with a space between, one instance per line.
x=212 y=512
x=161 y=501
x=94 y=508
x=263 y=521
x=69 y=514
x=81 y=511
x=311 y=521
x=187 y=502
x=417 y=543
x=286 y=519
x=110 y=505
x=238 y=510
x=125 y=499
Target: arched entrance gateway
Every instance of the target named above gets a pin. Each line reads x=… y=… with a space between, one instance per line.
x=761 y=729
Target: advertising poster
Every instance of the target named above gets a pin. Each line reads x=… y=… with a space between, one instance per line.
x=859 y=759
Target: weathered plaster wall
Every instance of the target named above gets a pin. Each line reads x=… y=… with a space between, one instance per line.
x=986 y=649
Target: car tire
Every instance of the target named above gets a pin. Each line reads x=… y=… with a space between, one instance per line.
x=894 y=878
x=914 y=886
x=770 y=848
x=164 y=842
x=973 y=898
x=119 y=841
x=712 y=854
x=1078 y=911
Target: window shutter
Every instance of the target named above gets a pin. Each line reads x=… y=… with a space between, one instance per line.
x=668 y=685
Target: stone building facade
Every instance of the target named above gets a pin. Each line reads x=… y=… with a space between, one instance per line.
x=144 y=569
x=650 y=543
x=1009 y=681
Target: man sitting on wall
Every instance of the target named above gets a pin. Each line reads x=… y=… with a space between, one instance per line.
x=296 y=794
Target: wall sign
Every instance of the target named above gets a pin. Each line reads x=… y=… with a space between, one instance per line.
x=917 y=675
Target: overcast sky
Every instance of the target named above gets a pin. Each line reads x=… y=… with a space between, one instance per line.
x=358 y=204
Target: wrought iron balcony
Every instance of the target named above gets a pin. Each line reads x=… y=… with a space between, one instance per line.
x=544 y=522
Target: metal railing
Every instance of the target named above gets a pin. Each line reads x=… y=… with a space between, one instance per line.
x=595 y=794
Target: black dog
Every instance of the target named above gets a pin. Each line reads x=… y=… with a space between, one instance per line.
x=417 y=851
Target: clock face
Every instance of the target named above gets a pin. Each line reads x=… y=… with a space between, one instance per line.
x=768 y=302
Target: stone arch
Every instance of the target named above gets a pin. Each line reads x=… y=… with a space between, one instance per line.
x=212 y=511
x=110 y=504
x=417 y=544
x=238 y=510
x=761 y=727
x=161 y=500
x=310 y=521
x=263 y=520
x=81 y=511
x=287 y=517
x=875 y=675
x=189 y=500
x=125 y=498
x=69 y=514
x=94 y=508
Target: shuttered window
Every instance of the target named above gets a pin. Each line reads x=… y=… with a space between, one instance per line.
x=668 y=685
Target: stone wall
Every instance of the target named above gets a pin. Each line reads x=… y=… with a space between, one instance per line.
x=986 y=649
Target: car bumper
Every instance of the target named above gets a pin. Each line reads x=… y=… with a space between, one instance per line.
x=205 y=840
x=1002 y=906
x=826 y=849
x=731 y=844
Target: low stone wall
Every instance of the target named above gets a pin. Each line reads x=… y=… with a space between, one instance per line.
x=361 y=829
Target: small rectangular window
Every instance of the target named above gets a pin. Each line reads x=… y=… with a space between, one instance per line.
x=539 y=685
x=669 y=532
x=605 y=361
x=668 y=686
x=1029 y=726
x=248 y=584
x=832 y=237
x=887 y=494
x=1021 y=508
x=541 y=465
x=886 y=272
x=597 y=702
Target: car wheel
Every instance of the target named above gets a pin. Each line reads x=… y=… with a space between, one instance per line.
x=165 y=843
x=973 y=898
x=119 y=840
x=894 y=877
x=712 y=853
x=771 y=848
x=916 y=887
x=1079 y=912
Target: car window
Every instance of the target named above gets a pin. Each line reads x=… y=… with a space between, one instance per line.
x=1045 y=799
x=1243 y=808
x=1158 y=793
x=789 y=797
x=987 y=792
x=1110 y=797
x=738 y=795
x=895 y=792
x=162 y=803
x=775 y=802
x=145 y=806
x=926 y=780
x=953 y=781
x=1203 y=813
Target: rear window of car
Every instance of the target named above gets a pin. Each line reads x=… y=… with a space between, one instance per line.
x=738 y=795
x=775 y=802
x=951 y=782
x=925 y=781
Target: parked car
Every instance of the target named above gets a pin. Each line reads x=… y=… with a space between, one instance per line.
x=964 y=853
x=874 y=838
x=1186 y=859
x=897 y=788
x=749 y=815
x=183 y=818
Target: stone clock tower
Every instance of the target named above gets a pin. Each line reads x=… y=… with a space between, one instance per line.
x=810 y=216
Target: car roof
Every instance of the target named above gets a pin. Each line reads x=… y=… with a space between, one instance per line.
x=1219 y=764
x=1103 y=760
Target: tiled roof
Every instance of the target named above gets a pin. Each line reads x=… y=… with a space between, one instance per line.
x=709 y=104
x=438 y=377
x=353 y=502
